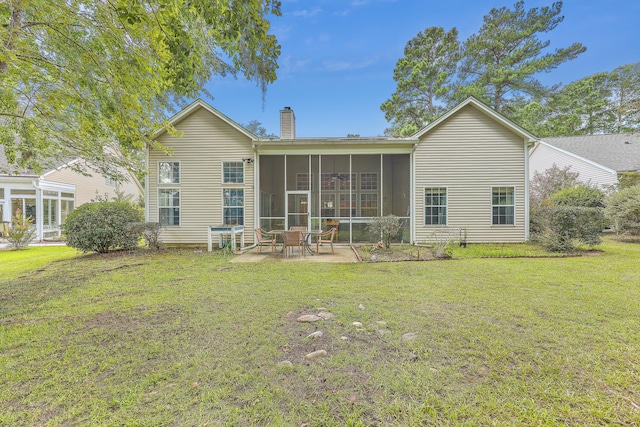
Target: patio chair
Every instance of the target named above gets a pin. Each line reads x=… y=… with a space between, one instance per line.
x=303 y=236
x=326 y=237
x=265 y=239
x=292 y=239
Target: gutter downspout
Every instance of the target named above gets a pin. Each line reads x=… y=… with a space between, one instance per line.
x=146 y=185
x=412 y=180
x=527 y=147
x=39 y=210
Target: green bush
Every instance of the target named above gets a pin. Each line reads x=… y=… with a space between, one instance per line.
x=565 y=225
x=103 y=226
x=629 y=179
x=623 y=210
x=582 y=195
x=385 y=227
x=150 y=231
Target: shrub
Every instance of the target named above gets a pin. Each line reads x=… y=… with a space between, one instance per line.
x=103 y=226
x=386 y=227
x=150 y=231
x=554 y=179
x=22 y=231
x=564 y=225
x=623 y=210
x=629 y=179
x=582 y=195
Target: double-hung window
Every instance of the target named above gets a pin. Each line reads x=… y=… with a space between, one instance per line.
x=233 y=206
x=232 y=197
x=169 y=206
x=368 y=204
x=503 y=205
x=435 y=206
x=233 y=172
x=169 y=198
x=169 y=172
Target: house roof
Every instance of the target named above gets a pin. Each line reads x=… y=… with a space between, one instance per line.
x=9 y=169
x=52 y=165
x=484 y=109
x=619 y=152
x=200 y=104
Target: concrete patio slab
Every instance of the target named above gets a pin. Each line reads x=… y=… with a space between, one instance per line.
x=342 y=254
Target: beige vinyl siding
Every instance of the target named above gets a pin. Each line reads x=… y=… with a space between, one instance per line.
x=469 y=154
x=88 y=186
x=544 y=157
x=206 y=142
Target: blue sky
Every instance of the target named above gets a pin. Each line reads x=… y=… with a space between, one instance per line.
x=338 y=56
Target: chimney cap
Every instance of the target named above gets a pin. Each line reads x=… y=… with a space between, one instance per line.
x=287 y=108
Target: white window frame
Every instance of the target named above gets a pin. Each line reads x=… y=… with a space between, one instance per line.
x=352 y=182
x=224 y=163
x=446 y=205
x=326 y=178
x=377 y=175
x=513 y=206
x=309 y=181
x=224 y=206
x=369 y=193
x=179 y=172
x=171 y=206
x=352 y=209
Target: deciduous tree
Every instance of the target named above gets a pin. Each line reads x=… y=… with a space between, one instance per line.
x=77 y=76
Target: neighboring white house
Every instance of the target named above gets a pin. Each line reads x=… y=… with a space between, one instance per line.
x=49 y=197
x=599 y=159
x=468 y=169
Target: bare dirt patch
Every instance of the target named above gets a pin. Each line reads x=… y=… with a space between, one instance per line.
x=372 y=253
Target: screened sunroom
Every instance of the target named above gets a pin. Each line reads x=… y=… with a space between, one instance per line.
x=346 y=191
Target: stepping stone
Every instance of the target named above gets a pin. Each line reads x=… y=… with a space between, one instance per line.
x=308 y=318
x=325 y=315
x=316 y=334
x=316 y=355
x=285 y=363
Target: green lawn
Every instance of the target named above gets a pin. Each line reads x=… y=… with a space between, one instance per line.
x=188 y=338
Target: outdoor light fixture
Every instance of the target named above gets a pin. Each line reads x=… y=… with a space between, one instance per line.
x=247 y=159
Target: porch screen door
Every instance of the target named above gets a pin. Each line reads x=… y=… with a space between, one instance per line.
x=298 y=209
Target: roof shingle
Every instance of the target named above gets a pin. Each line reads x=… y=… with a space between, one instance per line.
x=620 y=152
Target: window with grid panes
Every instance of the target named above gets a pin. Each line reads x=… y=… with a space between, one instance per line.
x=503 y=205
x=327 y=182
x=233 y=206
x=233 y=172
x=348 y=183
x=435 y=206
x=302 y=181
x=346 y=205
x=368 y=181
x=368 y=204
x=169 y=172
x=169 y=206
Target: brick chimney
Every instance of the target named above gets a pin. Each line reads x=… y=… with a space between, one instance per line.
x=287 y=124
